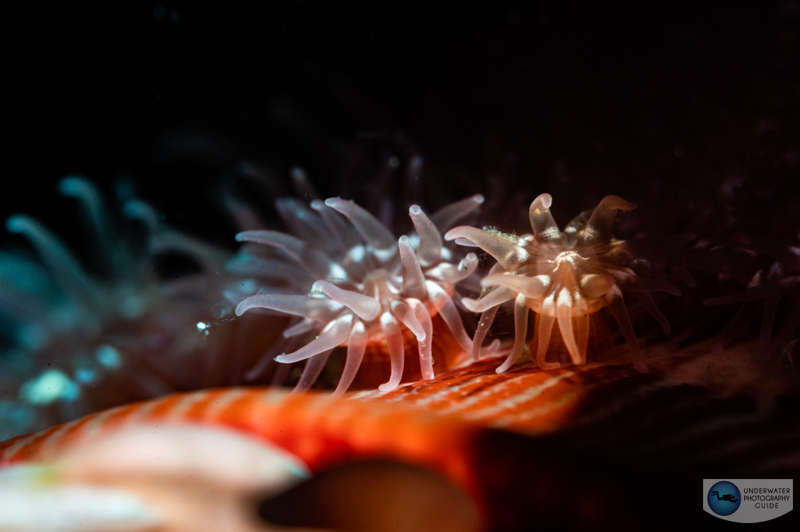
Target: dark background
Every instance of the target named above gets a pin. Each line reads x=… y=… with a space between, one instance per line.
x=644 y=100
x=652 y=101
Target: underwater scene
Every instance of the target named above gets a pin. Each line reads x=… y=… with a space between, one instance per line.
x=338 y=267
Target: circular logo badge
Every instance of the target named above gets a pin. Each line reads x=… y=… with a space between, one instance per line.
x=724 y=498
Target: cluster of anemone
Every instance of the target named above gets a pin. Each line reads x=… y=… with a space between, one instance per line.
x=357 y=283
x=77 y=340
x=353 y=282
x=563 y=277
x=338 y=277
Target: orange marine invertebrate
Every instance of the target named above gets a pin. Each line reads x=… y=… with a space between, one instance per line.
x=231 y=424
x=562 y=276
x=355 y=292
x=224 y=442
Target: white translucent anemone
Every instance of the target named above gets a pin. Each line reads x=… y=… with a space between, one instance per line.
x=365 y=289
x=563 y=277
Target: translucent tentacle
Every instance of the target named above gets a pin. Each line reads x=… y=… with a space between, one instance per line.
x=620 y=313
x=533 y=287
x=485 y=323
x=244 y=217
x=26 y=293
x=545 y=329
x=509 y=254
x=496 y=297
x=304 y=223
x=304 y=306
x=301 y=184
x=356 y=346
x=449 y=313
x=678 y=267
x=455 y=274
x=598 y=228
x=311 y=371
x=337 y=226
x=333 y=335
x=394 y=340
x=425 y=346
x=318 y=263
x=373 y=231
x=98 y=218
x=58 y=260
x=267 y=360
x=564 y=316
x=448 y=215
x=596 y=285
x=266 y=181
x=407 y=317
x=208 y=257
x=297 y=329
x=430 y=239
x=650 y=306
x=365 y=307
x=578 y=223
x=542 y=222
x=520 y=330
x=413 y=278
x=139 y=210
x=494 y=348
x=281 y=374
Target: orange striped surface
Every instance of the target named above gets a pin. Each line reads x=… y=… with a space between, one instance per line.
x=414 y=421
x=694 y=407
x=318 y=429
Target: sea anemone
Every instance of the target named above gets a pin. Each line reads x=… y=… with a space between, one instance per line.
x=75 y=341
x=354 y=291
x=778 y=275
x=755 y=259
x=564 y=277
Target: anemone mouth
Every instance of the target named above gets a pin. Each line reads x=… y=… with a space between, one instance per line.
x=568 y=258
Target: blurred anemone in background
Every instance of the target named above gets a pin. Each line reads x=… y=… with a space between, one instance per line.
x=77 y=339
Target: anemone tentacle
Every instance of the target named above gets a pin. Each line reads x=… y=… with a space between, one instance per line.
x=73 y=341
x=561 y=276
x=368 y=289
